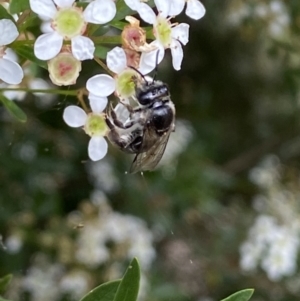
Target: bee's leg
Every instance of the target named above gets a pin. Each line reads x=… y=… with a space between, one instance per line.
x=114 y=136
x=118 y=123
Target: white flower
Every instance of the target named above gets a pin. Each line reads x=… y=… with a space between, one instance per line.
x=10 y=71
x=194 y=8
x=94 y=125
x=117 y=62
x=75 y=283
x=69 y=23
x=167 y=35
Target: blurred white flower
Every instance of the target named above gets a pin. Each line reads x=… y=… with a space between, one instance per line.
x=103 y=176
x=75 y=284
x=41 y=281
x=91 y=248
x=267 y=173
x=110 y=226
x=13 y=244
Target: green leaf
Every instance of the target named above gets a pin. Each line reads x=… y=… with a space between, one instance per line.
x=27 y=53
x=4 y=14
x=129 y=286
x=103 y=292
x=4 y=282
x=107 y=40
x=243 y=295
x=2 y=299
x=18 y=6
x=13 y=109
x=101 y=51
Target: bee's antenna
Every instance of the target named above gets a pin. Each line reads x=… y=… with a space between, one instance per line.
x=156 y=66
x=139 y=72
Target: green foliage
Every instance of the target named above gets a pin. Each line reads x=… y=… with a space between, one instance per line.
x=27 y=53
x=129 y=286
x=103 y=292
x=243 y=295
x=18 y=6
x=125 y=289
x=4 y=14
x=4 y=282
x=13 y=109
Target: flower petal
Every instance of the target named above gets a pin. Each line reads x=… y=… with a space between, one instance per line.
x=83 y=48
x=195 y=9
x=176 y=7
x=74 y=116
x=48 y=45
x=116 y=60
x=177 y=54
x=101 y=85
x=100 y=11
x=10 y=72
x=9 y=32
x=97 y=148
x=10 y=55
x=181 y=33
x=133 y=4
x=97 y=103
x=64 y=3
x=46 y=8
x=149 y=60
x=146 y=13
x=163 y=7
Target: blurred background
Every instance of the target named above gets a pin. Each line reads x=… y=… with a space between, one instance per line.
x=220 y=214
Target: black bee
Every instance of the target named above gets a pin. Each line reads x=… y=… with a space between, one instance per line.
x=147 y=130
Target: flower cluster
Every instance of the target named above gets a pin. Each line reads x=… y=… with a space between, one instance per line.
x=274 y=239
x=95 y=242
x=72 y=32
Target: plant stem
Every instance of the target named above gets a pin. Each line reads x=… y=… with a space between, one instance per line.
x=103 y=66
x=53 y=91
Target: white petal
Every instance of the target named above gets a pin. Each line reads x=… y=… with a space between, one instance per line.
x=176 y=7
x=83 y=48
x=133 y=4
x=10 y=55
x=149 y=60
x=163 y=7
x=48 y=45
x=146 y=13
x=64 y=3
x=100 y=11
x=9 y=32
x=101 y=85
x=43 y=7
x=177 y=54
x=195 y=9
x=181 y=33
x=10 y=72
x=97 y=103
x=74 y=116
x=116 y=60
x=46 y=27
x=97 y=148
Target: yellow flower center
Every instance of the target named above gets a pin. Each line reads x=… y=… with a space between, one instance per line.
x=69 y=22
x=95 y=125
x=163 y=31
x=125 y=84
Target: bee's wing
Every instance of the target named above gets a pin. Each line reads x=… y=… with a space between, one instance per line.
x=149 y=159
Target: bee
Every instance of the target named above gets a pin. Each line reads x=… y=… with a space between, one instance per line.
x=147 y=130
